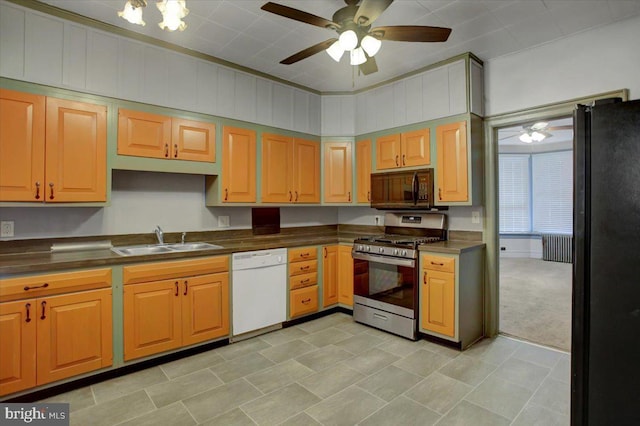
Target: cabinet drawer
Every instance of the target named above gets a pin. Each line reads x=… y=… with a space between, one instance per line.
x=297 y=268
x=48 y=284
x=437 y=263
x=302 y=253
x=178 y=269
x=304 y=280
x=303 y=301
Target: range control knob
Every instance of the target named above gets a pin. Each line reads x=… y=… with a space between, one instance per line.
x=360 y=248
x=404 y=252
x=367 y=248
x=381 y=249
x=395 y=252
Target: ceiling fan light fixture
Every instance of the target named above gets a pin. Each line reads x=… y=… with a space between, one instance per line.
x=348 y=40
x=335 y=51
x=132 y=12
x=172 y=13
x=537 y=136
x=358 y=57
x=526 y=138
x=371 y=45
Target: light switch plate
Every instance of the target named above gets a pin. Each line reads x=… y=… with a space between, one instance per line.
x=6 y=228
x=475 y=217
x=223 y=221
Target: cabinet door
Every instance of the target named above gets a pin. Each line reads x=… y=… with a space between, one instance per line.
x=205 y=308
x=388 y=152
x=18 y=348
x=21 y=146
x=238 y=165
x=76 y=151
x=337 y=172
x=144 y=135
x=415 y=147
x=277 y=168
x=74 y=334
x=437 y=304
x=451 y=147
x=152 y=318
x=330 y=276
x=345 y=275
x=306 y=171
x=193 y=140
x=363 y=171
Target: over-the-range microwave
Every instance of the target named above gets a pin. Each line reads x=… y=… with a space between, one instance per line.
x=400 y=190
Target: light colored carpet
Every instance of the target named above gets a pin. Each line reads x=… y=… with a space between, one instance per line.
x=535 y=301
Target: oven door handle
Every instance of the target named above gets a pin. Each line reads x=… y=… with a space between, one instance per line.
x=410 y=263
x=415 y=188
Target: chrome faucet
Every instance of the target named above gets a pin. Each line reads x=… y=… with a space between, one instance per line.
x=159 y=234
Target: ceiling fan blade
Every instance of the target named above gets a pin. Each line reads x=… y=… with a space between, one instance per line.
x=369 y=11
x=309 y=51
x=508 y=137
x=369 y=67
x=411 y=33
x=299 y=15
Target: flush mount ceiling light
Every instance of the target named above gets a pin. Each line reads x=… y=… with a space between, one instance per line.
x=355 y=35
x=172 y=13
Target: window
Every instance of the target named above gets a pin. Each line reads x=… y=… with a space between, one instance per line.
x=536 y=192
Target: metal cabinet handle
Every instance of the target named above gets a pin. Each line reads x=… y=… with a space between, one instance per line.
x=27 y=288
x=44 y=306
x=305 y=254
x=397 y=164
x=37 y=190
x=177 y=288
x=175 y=150
x=325 y=251
x=403 y=162
x=439 y=193
x=424 y=278
x=28 y=307
x=166 y=150
x=51 y=186
x=304 y=268
x=349 y=195
x=306 y=280
x=437 y=263
x=305 y=301
x=226 y=194
x=368 y=195
x=296 y=196
x=290 y=196
x=186 y=287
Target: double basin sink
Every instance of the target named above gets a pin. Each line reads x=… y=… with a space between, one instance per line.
x=141 y=250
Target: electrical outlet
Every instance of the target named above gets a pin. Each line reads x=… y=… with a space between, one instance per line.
x=223 y=221
x=6 y=228
x=475 y=217
x=379 y=220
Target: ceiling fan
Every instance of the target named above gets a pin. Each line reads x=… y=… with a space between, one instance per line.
x=353 y=24
x=536 y=132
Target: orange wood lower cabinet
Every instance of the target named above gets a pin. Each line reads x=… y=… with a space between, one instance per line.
x=437 y=304
x=163 y=315
x=330 y=276
x=345 y=276
x=303 y=301
x=55 y=337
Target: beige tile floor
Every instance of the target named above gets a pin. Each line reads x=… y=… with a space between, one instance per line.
x=332 y=371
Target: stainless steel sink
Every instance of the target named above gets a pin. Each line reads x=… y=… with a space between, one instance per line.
x=142 y=250
x=193 y=246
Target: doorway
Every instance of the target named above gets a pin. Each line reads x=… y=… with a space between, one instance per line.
x=535 y=207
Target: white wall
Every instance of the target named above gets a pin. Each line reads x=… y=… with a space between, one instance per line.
x=587 y=63
x=521 y=247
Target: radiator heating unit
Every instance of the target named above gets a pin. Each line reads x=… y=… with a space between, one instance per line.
x=557 y=247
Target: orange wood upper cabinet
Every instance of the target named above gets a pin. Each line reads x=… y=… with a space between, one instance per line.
x=143 y=134
x=338 y=179
x=22 y=135
x=363 y=171
x=238 y=165
x=74 y=334
x=406 y=149
x=437 y=303
x=18 y=348
x=53 y=150
x=452 y=164
x=76 y=151
x=290 y=170
x=345 y=276
x=329 y=276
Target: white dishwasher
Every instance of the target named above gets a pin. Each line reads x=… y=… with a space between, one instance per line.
x=259 y=295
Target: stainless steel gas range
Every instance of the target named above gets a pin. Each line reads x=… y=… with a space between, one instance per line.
x=386 y=271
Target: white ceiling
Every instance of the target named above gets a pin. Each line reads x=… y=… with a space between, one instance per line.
x=509 y=135
x=239 y=31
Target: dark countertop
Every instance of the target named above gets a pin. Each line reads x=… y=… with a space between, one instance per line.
x=35 y=258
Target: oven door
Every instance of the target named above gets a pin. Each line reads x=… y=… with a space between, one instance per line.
x=386 y=283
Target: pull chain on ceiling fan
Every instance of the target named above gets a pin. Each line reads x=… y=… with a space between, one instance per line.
x=353 y=25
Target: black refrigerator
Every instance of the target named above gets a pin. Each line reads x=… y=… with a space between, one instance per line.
x=605 y=349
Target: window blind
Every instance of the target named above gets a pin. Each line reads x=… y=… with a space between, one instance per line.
x=552 y=187
x=514 y=193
